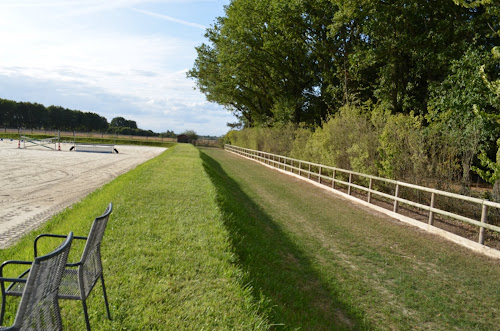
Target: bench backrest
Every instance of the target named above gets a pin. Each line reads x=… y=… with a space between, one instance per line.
x=91 y=264
x=39 y=307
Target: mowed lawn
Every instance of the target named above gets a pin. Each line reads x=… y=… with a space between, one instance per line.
x=324 y=263
x=201 y=239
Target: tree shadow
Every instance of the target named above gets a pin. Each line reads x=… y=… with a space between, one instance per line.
x=275 y=269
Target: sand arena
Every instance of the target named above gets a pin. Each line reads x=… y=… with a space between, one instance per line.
x=36 y=183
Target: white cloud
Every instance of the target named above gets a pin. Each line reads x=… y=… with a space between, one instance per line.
x=170 y=19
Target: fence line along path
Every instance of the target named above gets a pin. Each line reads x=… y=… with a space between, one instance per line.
x=349 y=184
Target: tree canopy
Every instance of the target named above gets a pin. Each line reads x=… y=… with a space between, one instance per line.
x=274 y=62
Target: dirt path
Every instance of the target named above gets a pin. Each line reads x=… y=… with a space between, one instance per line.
x=36 y=183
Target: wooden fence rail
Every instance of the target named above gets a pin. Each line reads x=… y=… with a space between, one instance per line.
x=331 y=174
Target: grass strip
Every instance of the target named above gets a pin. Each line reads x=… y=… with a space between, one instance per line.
x=324 y=263
x=167 y=256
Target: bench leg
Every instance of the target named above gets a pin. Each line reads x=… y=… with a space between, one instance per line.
x=84 y=304
x=105 y=296
x=3 y=309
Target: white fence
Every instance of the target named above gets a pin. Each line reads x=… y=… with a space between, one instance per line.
x=332 y=176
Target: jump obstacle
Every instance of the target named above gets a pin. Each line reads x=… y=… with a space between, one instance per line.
x=77 y=147
x=93 y=148
x=46 y=142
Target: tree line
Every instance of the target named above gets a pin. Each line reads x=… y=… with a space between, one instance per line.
x=36 y=116
x=299 y=61
x=414 y=83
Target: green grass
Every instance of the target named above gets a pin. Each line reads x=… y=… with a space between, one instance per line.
x=205 y=240
x=167 y=256
x=324 y=263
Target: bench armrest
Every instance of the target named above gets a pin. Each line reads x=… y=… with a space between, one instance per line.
x=43 y=235
x=6 y=263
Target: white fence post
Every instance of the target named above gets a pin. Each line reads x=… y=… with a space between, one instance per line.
x=396 y=195
x=484 y=217
x=431 y=213
x=349 y=186
x=369 y=199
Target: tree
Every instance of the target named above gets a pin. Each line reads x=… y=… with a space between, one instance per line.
x=492 y=172
x=451 y=103
x=8 y=111
x=122 y=122
x=259 y=63
x=191 y=134
x=168 y=134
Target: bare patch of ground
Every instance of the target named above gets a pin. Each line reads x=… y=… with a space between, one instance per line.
x=36 y=183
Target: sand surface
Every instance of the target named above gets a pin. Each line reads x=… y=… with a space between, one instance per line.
x=36 y=183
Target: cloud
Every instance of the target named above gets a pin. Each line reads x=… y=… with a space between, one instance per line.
x=164 y=111
x=109 y=63
x=170 y=19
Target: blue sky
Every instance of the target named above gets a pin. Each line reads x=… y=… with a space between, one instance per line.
x=124 y=58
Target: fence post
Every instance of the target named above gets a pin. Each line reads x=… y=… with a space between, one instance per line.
x=333 y=179
x=396 y=195
x=300 y=166
x=431 y=213
x=370 y=185
x=319 y=175
x=484 y=218
x=349 y=186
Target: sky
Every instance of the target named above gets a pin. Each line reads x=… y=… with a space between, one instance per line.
x=125 y=58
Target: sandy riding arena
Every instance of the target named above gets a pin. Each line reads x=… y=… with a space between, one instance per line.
x=36 y=183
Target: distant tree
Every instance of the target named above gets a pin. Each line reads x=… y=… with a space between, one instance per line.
x=8 y=110
x=191 y=134
x=122 y=122
x=168 y=134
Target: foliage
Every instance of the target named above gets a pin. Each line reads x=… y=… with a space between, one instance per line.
x=369 y=139
x=168 y=134
x=36 y=116
x=132 y=132
x=299 y=61
x=191 y=134
x=304 y=62
x=402 y=149
x=122 y=122
x=347 y=141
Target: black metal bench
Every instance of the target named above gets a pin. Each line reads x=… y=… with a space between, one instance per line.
x=39 y=306
x=78 y=278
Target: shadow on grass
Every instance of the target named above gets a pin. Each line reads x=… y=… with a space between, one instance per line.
x=276 y=270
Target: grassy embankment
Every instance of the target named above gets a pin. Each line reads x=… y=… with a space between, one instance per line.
x=321 y=261
x=246 y=247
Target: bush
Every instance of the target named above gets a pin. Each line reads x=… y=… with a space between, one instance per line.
x=347 y=141
x=402 y=149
